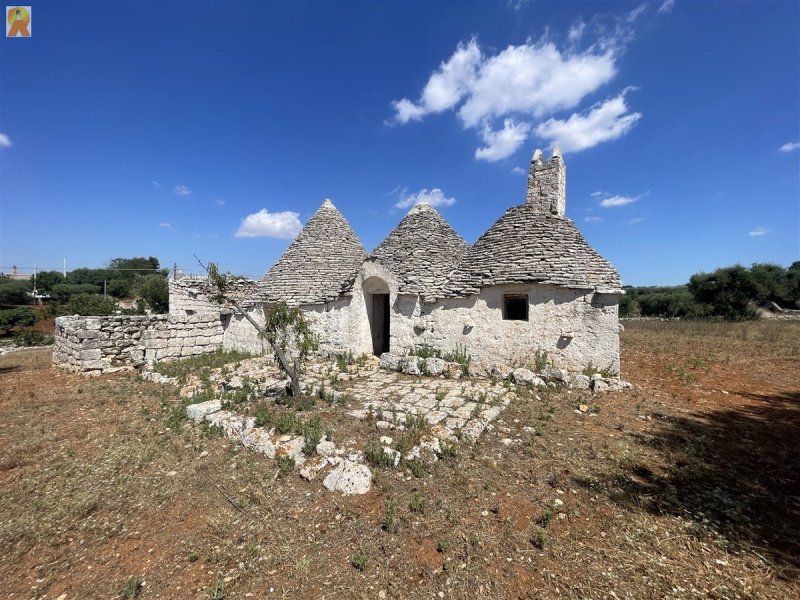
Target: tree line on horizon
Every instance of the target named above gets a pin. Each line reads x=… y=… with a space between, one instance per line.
x=729 y=293
x=89 y=292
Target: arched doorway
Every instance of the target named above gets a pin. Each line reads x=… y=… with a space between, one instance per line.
x=376 y=297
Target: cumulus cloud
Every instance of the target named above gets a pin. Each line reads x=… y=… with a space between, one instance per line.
x=446 y=86
x=519 y=171
x=435 y=197
x=182 y=190
x=597 y=194
x=593 y=219
x=283 y=225
x=789 y=147
x=666 y=6
x=506 y=95
x=5 y=141
x=758 y=231
x=502 y=143
x=602 y=123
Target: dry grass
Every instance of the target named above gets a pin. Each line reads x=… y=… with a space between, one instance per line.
x=674 y=490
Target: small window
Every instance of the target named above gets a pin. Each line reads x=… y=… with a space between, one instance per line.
x=189 y=313
x=515 y=307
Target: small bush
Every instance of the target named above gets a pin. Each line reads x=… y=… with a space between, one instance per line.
x=417 y=503
x=91 y=305
x=285 y=465
x=388 y=519
x=32 y=338
x=442 y=545
x=262 y=415
x=312 y=433
x=217 y=592
x=285 y=423
x=16 y=317
x=132 y=588
x=359 y=560
x=373 y=452
x=540 y=539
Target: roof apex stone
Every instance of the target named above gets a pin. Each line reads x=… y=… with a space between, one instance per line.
x=319 y=266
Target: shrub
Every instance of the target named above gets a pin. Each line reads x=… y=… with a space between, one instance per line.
x=16 y=317
x=28 y=337
x=91 y=305
x=13 y=291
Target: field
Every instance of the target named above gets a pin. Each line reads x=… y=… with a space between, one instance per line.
x=687 y=486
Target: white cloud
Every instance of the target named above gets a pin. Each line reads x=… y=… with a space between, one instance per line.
x=165 y=225
x=758 y=231
x=666 y=6
x=156 y=184
x=503 y=143
x=789 y=147
x=283 y=225
x=506 y=95
x=219 y=202
x=5 y=141
x=446 y=86
x=534 y=79
x=593 y=219
x=519 y=171
x=616 y=200
x=635 y=13
x=182 y=190
x=635 y=220
x=602 y=123
x=435 y=197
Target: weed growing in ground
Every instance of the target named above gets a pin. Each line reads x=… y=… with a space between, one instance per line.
x=132 y=588
x=388 y=518
x=285 y=423
x=285 y=465
x=373 y=452
x=217 y=592
x=447 y=450
x=442 y=545
x=202 y=362
x=540 y=539
x=461 y=356
x=417 y=467
x=262 y=415
x=312 y=433
x=359 y=560
x=193 y=556
x=417 y=503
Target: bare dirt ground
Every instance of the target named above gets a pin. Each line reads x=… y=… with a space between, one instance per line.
x=687 y=486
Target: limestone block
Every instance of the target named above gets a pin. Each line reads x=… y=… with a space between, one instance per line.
x=92 y=354
x=313 y=467
x=435 y=366
x=580 y=382
x=260 y=440
x=197 y=412
x=523 y=376
x=349 y=478
x=390 y=361
x=410 y=366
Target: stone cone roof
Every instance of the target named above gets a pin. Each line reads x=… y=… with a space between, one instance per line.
x=319 y=266
x=526 y=246
x=421 y=252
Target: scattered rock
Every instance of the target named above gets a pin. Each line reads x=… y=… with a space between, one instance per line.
x=349 y=478
x=326 y=448
x=385 y=440
x=581 y=382
x=390 y=361
x=312 y=467
x=523 y=376
x=197 y=412
x=394 y=454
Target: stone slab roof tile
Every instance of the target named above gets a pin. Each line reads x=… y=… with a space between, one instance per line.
x=319 y=266
x=526 y=245
x=421 y=252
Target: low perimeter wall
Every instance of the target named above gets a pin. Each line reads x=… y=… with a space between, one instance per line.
x=113 y=343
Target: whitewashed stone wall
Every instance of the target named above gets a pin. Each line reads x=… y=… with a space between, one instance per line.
x=105 y=344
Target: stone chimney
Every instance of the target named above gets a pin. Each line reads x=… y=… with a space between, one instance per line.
x=547 y=183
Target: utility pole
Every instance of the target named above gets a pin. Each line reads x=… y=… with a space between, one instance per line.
x=65 y=267
x=104 y=288
x=174 y=271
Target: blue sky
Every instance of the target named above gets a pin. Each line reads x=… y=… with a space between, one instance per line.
x=217 y=128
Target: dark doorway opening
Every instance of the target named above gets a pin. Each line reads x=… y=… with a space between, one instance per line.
x=379 y=323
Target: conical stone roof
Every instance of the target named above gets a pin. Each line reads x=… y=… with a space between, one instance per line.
x=318 y=266
x=526 y=245
x=421 y=252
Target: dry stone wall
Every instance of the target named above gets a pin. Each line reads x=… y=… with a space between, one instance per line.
x=119 y=342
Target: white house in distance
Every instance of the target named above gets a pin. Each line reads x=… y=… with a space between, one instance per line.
x=530 y=284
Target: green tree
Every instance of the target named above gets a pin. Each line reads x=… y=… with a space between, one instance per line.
x=793 y=284
x=14 y=291
x=16 y=317
x=62 y=292
x=154 y=290
x=285 y=328
x=771 y=283
x=90 y=305
x=728 y=292
x=47 y=279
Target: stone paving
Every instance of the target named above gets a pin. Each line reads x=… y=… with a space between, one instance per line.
x=455 y=409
